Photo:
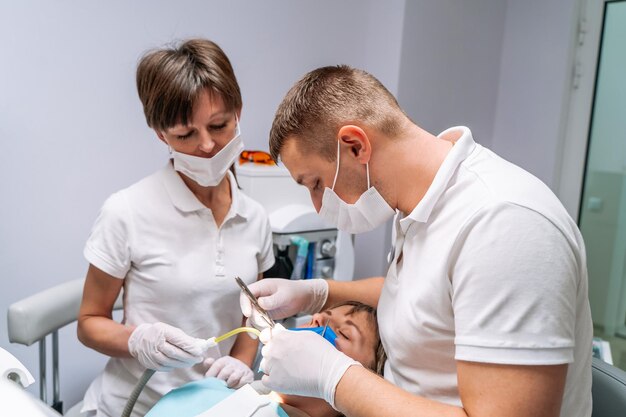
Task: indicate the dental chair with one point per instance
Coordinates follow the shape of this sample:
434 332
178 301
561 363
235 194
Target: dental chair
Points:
608 390
35 318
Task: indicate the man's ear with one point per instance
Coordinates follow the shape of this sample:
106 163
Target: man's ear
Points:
356 141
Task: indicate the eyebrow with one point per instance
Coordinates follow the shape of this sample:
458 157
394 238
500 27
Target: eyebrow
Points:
222 113
348 322
300 180
351 323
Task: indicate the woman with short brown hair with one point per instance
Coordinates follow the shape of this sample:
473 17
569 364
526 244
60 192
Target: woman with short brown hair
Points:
175 240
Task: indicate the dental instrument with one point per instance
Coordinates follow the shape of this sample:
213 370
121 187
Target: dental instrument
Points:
255 303
325 327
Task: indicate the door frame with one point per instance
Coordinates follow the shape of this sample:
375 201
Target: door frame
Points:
575 140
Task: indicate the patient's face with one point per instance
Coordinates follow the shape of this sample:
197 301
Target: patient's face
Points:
356 332
356 337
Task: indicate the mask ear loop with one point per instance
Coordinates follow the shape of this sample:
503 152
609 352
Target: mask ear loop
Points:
367 168
237 127
169 147
337 171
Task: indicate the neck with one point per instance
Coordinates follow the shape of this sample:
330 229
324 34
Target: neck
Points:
416 156
209 196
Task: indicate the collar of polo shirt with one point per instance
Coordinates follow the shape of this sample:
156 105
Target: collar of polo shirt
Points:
184 199
462 148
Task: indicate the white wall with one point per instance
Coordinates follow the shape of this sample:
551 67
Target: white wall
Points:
450 64
72 126
500 67
534 84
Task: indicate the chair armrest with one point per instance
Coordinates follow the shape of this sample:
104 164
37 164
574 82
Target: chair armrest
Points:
608 389
32 318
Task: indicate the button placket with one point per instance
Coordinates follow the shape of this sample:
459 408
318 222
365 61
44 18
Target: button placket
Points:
397 252
220 269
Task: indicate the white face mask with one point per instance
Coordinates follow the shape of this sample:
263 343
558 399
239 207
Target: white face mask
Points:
208 172
370 211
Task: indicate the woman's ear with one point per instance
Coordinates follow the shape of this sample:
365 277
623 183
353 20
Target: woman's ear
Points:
161 136
356 141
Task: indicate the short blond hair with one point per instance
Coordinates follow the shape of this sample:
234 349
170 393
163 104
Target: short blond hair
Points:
325 99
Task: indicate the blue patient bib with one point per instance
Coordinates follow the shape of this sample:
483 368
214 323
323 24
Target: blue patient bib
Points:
328 334
194 398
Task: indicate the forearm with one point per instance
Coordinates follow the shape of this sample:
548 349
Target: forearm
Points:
365 290
245 349
104 335
96 327
360 393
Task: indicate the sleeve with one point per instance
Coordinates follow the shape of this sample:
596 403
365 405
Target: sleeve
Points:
514 285
108 247
265 257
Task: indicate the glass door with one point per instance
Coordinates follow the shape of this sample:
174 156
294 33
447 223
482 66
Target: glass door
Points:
603 202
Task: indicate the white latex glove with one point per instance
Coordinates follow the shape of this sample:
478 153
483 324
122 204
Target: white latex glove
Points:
229 369
302 363
162 347
283 298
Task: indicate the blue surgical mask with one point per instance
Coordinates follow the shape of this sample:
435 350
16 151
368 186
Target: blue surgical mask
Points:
326 332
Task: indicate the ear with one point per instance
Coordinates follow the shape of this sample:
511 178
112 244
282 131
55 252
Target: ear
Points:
357 141
161 136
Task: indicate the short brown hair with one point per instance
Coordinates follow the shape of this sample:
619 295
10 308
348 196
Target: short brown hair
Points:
169 80
326 98
380 356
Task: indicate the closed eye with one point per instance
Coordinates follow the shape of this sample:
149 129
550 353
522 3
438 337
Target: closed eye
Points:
218 127
186 136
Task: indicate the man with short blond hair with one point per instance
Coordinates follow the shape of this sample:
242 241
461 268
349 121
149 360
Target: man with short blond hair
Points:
484 309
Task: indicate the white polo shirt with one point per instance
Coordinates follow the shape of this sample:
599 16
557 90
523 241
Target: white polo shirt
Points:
178 267
488 267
